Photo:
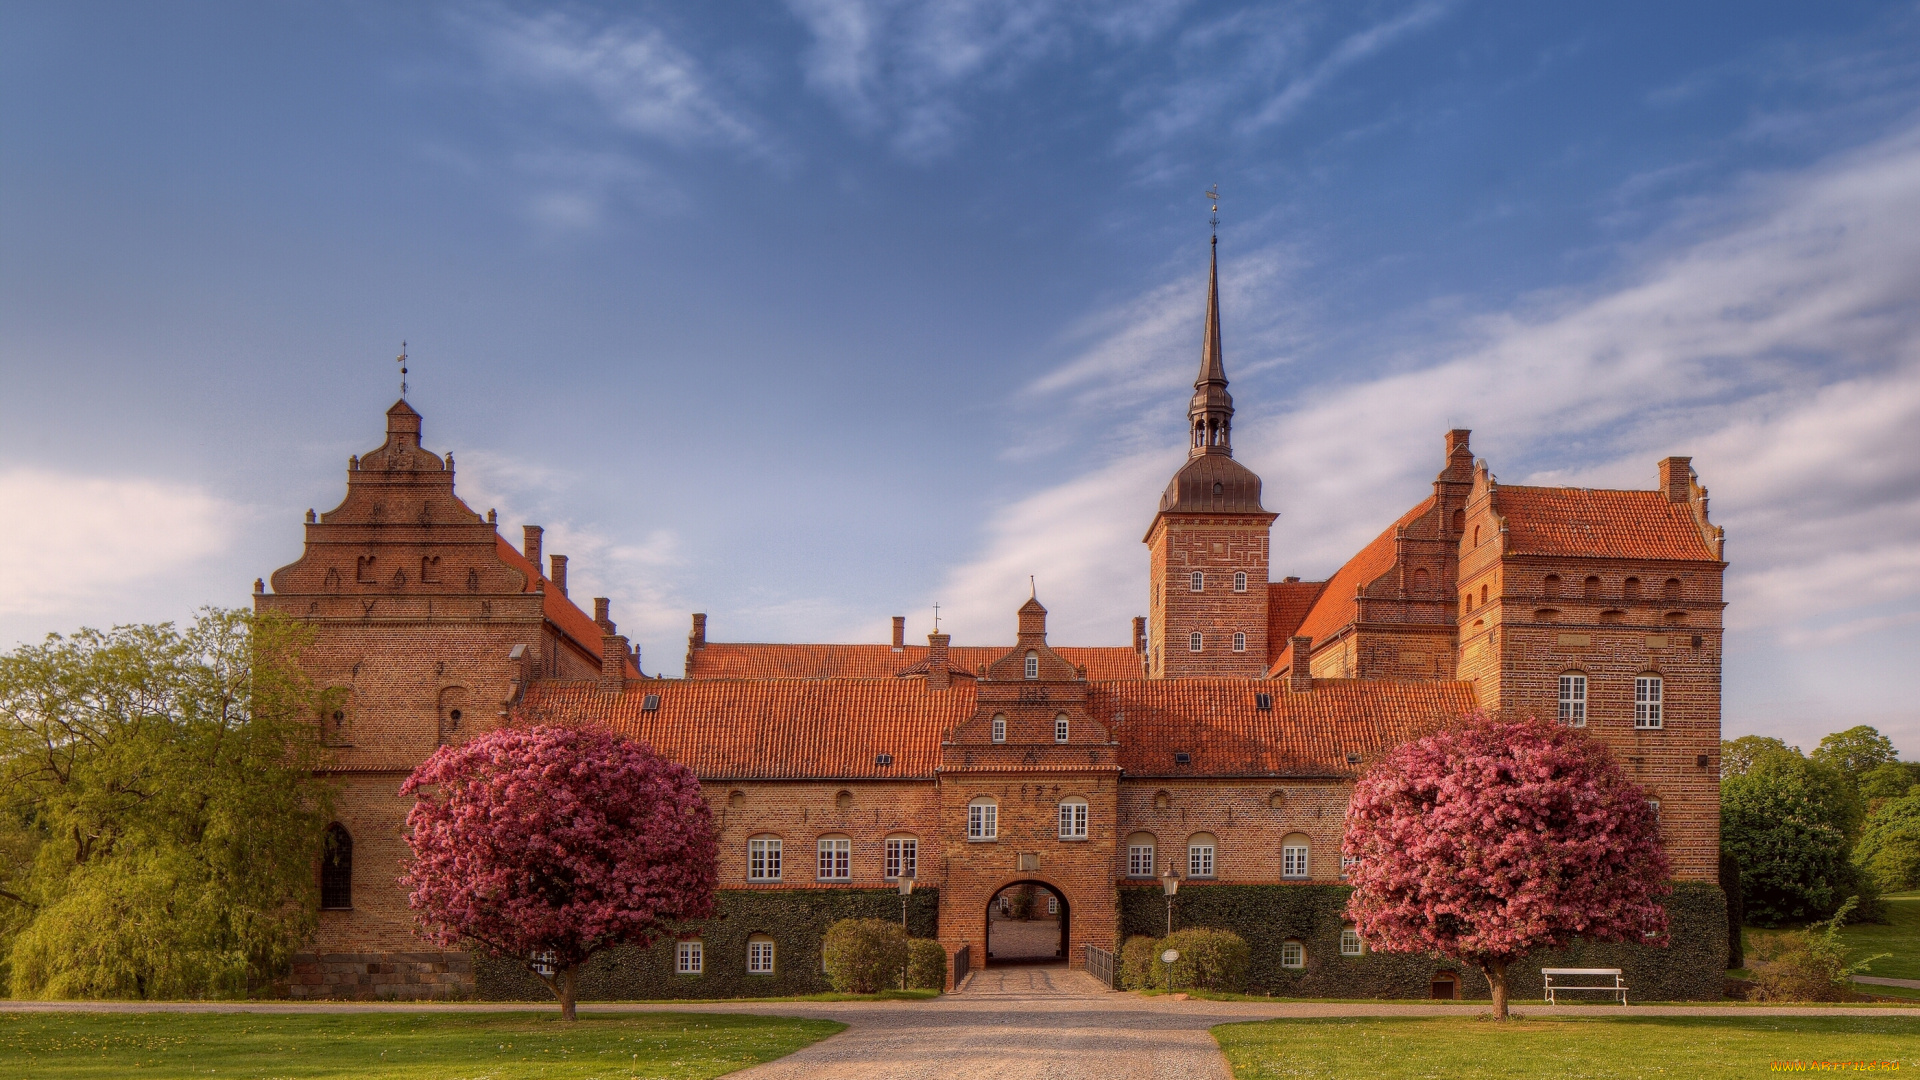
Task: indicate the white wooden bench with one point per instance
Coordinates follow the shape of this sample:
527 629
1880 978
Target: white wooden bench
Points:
1618 986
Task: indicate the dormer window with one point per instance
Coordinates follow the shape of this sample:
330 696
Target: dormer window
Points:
1240 581
1033 664
1197 581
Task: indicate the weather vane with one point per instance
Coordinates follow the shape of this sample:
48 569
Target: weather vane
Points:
936 618
402 361
1213 196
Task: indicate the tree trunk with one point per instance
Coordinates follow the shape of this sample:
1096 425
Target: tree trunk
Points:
1496 973
568 986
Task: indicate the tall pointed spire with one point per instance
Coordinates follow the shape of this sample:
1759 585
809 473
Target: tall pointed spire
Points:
1210 413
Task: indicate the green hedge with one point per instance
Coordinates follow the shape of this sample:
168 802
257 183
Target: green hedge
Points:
1691 969
796 919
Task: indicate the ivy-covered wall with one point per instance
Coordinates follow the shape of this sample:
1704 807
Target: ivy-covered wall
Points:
796 920
1692 969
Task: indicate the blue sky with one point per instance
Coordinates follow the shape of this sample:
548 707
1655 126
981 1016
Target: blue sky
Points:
809 314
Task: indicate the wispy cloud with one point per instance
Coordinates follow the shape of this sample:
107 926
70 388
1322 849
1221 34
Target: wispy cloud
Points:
1351 50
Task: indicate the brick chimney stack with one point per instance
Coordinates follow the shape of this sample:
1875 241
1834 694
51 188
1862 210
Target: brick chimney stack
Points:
614 654
531 546
939 677
1300 675
1140 634
698 639
899 633
559 574
603 613
1676 478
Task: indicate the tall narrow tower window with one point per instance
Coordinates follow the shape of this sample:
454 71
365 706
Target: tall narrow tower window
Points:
1197 581
1193 641
1240 581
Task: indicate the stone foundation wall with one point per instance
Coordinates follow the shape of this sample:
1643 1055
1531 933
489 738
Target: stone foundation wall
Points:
358 976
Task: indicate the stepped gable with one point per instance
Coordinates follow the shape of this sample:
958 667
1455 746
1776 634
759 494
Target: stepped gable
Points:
757 660
1599 524
782 729
563 614
1288 603
1336 607
1219 725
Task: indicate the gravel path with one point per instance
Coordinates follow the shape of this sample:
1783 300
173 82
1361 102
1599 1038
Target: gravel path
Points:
1038 1022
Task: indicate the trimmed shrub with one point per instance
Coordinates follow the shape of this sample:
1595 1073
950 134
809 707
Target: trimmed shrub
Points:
865 955
926 965
1209 959
1137 962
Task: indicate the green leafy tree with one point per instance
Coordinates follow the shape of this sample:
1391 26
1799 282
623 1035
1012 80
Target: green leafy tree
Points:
1790 823
1891 780
1889 847
1737 756
161 814
1855 751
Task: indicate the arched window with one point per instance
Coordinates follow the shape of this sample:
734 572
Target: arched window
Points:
1293 857
1675 618
1483 594
1476 536
843 801
1630 589
1197 581
1193 641
1420 579
1033 664
1671 590
1459 521
1590 588
1162 800
1277 800
1140 855
1060 727
999 727
983 819
903 856
1239 581
1219 489
1573 699
336 870
1073 818
1293 954
1550 586
763 858
759 955
1200 852
736 799
835 858
1648 706
1239 641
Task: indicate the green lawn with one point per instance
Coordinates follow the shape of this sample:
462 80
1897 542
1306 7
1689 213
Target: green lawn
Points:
1900 935
1560 1048
414 1046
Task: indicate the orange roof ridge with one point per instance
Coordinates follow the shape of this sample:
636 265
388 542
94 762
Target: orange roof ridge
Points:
559 610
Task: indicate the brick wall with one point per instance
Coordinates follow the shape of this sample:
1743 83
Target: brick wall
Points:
1219 546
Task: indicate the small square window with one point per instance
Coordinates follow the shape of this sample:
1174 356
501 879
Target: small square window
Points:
1197 581
1293 954
689 958
1350 944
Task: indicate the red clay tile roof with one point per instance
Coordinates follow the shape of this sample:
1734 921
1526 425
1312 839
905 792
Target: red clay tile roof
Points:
1585 523
563 613
1287 605
1305 734
781 729
748 660
1334 611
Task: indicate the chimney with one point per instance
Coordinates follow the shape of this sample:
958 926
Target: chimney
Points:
899 633
1140 634
1457 446
531 548
614 655
1676 478
559 574
698 639
603 613
938 676
1300 675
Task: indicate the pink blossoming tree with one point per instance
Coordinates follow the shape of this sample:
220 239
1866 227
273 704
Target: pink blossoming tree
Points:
549 844
1494 837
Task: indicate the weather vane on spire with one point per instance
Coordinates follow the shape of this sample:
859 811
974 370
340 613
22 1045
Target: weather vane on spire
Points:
402 361
1213 196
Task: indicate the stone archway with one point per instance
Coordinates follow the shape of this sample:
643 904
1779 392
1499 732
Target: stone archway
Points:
1027 922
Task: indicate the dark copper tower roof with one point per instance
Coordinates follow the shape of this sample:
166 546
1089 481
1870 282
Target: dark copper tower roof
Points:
1211 480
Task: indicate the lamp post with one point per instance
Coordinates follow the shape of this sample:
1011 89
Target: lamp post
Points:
1170 881
906 890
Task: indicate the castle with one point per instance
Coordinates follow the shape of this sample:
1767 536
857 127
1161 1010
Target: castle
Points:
1220 747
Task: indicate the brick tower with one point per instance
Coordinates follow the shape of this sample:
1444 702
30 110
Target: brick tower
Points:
1208 603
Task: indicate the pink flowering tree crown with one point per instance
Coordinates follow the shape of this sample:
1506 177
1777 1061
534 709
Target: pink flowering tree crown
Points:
1494 837
556 842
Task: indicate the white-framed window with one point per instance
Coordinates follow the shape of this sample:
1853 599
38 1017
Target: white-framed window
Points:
999 727
1293 954
1346 864
1200 856
1033 665
1193 641
903 857
836 859
1573 699
1350 943
689 958
1140 855
1654 805
760 955
763 858
1647 694
1060 727
1293 857
983 820
1073 818
1053 904
1197 581
1239 641
1239 581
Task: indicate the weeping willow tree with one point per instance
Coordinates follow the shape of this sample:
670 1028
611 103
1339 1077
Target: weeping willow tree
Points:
160 819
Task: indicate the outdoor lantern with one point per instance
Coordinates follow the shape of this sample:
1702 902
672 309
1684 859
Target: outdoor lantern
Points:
1170 881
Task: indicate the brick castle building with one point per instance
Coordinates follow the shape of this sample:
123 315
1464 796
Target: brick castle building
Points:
1222 743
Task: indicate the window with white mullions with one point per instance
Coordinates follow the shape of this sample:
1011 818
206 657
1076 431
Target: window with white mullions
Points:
983 820
1060 728
836 858
903 857
1073 819
1293 857
1197 581
1239 581
1200 852
760 955
1573 699
1140 855
1648 692
689 958
763 858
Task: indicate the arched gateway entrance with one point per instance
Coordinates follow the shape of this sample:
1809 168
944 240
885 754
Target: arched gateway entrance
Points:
1027 923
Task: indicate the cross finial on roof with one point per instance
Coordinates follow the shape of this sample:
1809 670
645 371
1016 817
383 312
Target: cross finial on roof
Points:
402 361
936 618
